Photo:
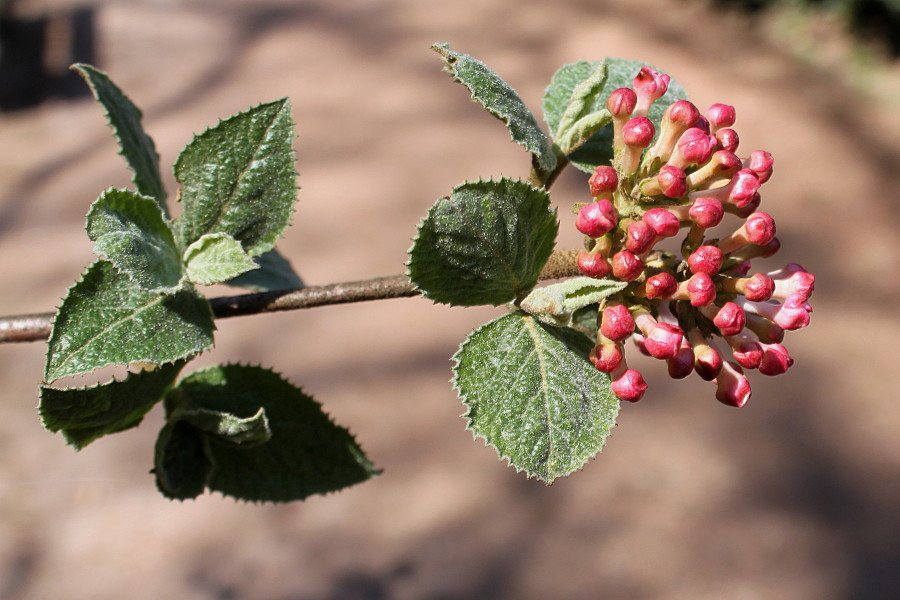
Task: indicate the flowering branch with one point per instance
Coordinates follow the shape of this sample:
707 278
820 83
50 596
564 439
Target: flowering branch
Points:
35 327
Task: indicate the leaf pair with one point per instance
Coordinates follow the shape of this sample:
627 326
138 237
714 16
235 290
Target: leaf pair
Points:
530 389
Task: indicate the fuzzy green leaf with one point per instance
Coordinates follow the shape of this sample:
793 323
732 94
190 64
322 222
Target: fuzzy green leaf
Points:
502 101
131 232
231 428
533 395
125 119
238 178
307 453
564 89
556 304
485 244
106 319
85 414
274 273
214 258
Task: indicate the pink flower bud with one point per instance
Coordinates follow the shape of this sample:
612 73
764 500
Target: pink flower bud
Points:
638 132
649 85
758 288
679 117
775 360
607 356
747 209
593 264
661 340
793 279
730 319
705 259
603 181
616 322
670 181
761 162
722 164
702 123
694 147
701 289
629 386
626 266
792 314
732 387
662 285
759 229
682 113
640 237
745 349
721 115
706 212
662 222
728 139
597 218
621 102
682 364
765 330
744 186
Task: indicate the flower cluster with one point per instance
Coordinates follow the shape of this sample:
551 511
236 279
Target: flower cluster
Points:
692 307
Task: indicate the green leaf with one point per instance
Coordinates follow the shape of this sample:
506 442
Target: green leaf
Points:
274 273
238 178
214 258
85 414
131 233
125 119
533 395
307 453
106 319
556 304
180 461
502 101
231 428
572 77
485 244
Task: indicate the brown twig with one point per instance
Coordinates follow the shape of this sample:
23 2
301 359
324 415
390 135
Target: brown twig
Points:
30 328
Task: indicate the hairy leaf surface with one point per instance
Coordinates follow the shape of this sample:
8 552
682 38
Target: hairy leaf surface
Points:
502 101
125 119
533 395
106 319
131 232
485 244
556 304
214 258
238 178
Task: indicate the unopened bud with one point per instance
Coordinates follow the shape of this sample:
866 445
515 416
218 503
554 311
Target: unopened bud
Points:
705 259
792 279
722 164
629 386
621 102
728 139
775 360
706 212
732 386
597 218
670 181
593 264
682 364
649 85
626 266
662 340
759 229
762 163
640 237
746 350
730 319
604 181
607 356
678 118
616 322
700 289
662 285
694 147
757 288
662 222
720 115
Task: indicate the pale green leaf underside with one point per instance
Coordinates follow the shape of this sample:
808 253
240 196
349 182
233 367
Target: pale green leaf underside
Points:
533 395
620 73
502 101
131 233
238 178
231 428
485 244
274 273
85 414
106 319
125 119
556 304
307 453
214 258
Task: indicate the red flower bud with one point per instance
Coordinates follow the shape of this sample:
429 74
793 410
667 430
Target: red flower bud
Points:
759 229
744 187
701 289
670 181
702 123
694 147
761 162
629 386
626 266
758 288
683 113
621 102
721 115
662 222
793 279
603 181
730 319
733 388
661 340
682 364
728 139
597 219
775 360
649 85
616 322
706 212
593 264
640 237
705 259
722 164
662 285
790 315
607 357
638 131
746 350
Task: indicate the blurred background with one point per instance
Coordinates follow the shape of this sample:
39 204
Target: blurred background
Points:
795 496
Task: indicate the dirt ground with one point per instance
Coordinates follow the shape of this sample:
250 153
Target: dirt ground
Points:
793 497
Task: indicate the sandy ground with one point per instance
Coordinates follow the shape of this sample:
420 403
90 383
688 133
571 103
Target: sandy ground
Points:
793 497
